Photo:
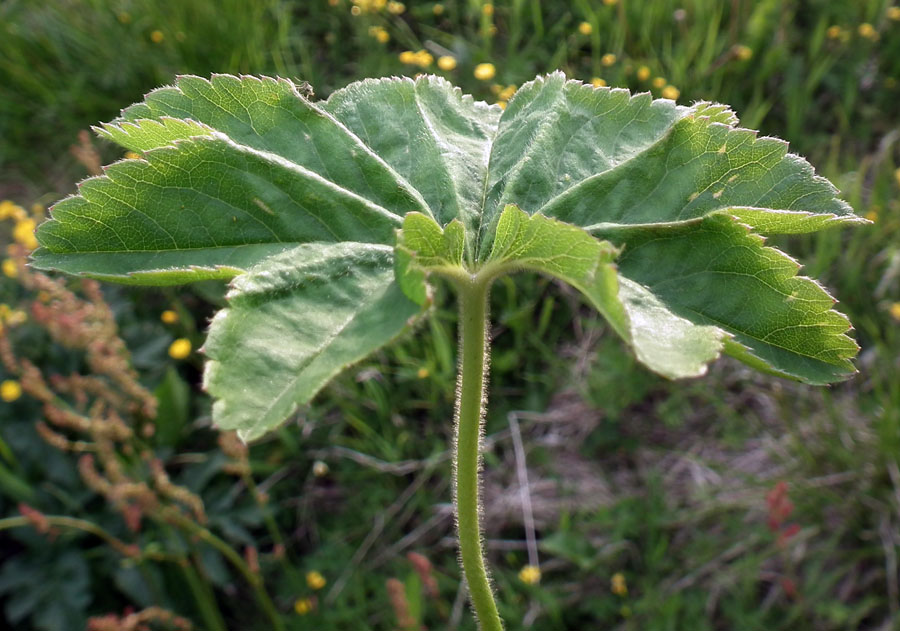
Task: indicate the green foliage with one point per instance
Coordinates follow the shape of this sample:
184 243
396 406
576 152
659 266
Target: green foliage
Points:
678 190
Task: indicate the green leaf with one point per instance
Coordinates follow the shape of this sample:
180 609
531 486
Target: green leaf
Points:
295 321
390 181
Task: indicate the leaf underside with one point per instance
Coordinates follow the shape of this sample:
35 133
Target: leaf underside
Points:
654 211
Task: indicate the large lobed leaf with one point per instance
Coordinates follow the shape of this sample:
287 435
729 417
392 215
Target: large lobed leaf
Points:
653 210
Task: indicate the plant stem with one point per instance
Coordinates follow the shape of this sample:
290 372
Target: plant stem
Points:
473 323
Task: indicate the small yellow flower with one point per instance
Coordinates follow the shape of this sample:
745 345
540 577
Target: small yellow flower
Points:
315 580
617 584
124 17
10 269
834 32
10 390
609 3
380 33
24 233
396 8
895 311
422 373
643 73
169 316
872 215
487 9
6 209
608 59
893 13
671 92
742 52
407 57
502 104
868 31
446 63
157 36
438 9
304 605
180 348
597 82
485 72
585 28
658 82
530 575
320 469
507 93
424 59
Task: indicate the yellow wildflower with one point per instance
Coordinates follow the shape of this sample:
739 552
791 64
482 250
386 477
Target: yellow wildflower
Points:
617 584
608 59
671 92
597 82
834 32
304 605
487 9
422 373
868 31
320 469
10 269
502 104
12 317
506 93
446 63
893 13
380 33
180 348
9 210
407 57
658 82
315 580
643 73
485 72
396 8
169 316
423 59
872 215
609 3
742 52
895 311
157 36
530 575
438 9
585 28
10 390
24 233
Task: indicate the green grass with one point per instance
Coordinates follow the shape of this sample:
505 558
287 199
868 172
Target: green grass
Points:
665 483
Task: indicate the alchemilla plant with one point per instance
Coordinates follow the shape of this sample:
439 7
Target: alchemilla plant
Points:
334 218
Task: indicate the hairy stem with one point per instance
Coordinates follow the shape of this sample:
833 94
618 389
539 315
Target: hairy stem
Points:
473 321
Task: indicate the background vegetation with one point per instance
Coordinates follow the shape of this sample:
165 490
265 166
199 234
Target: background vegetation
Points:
732 502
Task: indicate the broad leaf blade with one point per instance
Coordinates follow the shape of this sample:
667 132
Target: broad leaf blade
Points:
234 170
295 321
670 345
436 137
714 272
208 203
